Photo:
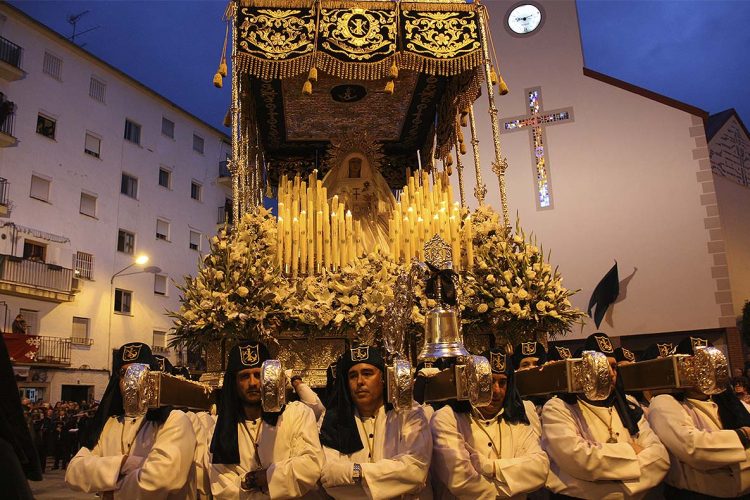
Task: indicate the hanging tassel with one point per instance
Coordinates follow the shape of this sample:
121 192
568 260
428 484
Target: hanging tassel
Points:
493 76
460 135
449 160
313 74
389 87
502 87
223 67
228 118
393 73
307 88
449 170
462 148
218 81
464 117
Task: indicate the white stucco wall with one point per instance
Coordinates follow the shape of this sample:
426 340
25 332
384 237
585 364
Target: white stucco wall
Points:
623 181
71 170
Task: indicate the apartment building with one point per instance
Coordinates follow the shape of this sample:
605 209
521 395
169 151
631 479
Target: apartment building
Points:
97 172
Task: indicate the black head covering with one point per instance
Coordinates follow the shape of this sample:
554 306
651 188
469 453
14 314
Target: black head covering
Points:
629 412
181 371
13 428
339 429
164 364
732 412
657 350
513 409
531 349
558 353
331 375
224 444
624 354
111 403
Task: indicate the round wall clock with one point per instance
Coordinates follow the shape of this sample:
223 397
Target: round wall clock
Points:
524 19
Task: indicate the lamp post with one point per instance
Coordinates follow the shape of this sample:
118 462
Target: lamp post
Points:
139 261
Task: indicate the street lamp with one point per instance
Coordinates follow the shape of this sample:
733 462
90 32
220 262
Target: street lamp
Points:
139 261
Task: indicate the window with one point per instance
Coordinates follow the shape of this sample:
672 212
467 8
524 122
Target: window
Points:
52 66
34 251
160 284
32 321
129 185
88 204
160 341
83 263
162 230
125 242
195 191
39 188
195 240
165 178
197 143
80 332
132 132
167 127
45 126
92 145
97 89
123 301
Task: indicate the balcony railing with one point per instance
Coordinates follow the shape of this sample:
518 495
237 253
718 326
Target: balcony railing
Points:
35 349
6 127
35 274
3 191
224 215
224 169
10 52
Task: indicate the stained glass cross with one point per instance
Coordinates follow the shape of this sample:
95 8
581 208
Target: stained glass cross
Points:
535 122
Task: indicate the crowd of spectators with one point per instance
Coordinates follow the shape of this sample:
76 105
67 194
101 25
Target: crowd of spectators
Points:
57 429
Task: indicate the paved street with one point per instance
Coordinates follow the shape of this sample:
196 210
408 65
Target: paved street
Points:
53 488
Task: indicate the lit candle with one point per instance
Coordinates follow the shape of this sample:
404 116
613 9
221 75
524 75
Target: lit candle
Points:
295 246
335 254
327 260
303 242
280 242
349 237
469 243
287 243
407 240
455 244
310 236
341 219
319 241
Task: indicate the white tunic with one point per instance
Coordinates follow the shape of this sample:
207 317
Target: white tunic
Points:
160 460
584 465
401 450
311 399
200 474
705 458
513 460
290 452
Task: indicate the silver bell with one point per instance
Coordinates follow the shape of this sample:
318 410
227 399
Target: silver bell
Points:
442 335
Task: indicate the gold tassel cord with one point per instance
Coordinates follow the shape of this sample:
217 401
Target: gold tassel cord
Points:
307 88
389 87
218 80
502 88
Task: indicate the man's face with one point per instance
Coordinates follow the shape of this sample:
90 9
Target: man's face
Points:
739 389
499 388
248 386
366 385
527 363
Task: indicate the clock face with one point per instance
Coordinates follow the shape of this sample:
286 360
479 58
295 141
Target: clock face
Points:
524 19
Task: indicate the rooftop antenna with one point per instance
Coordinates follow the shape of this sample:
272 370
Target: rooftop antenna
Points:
73 21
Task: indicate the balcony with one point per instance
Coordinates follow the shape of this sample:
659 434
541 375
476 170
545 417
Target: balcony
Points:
10 61
7 119
36 350
37 280
224 215
4 201
225 176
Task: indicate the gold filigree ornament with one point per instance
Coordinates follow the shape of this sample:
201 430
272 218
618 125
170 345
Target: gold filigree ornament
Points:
442 35
359 34
277 34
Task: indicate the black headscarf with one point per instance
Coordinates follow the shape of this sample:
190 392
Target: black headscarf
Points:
558 353
331 376
657 350
111 403
624 354
514 411
531 349
13 428
339 429
732 412
164 364
630 413
224 443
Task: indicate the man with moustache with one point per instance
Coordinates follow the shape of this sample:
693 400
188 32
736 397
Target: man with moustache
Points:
601 449
130 451
708 438
492 451
256 454
371 451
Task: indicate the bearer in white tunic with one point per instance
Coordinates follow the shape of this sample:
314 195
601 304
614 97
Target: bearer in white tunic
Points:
371 451
256 454
130 453
490 452
601 450
707 439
